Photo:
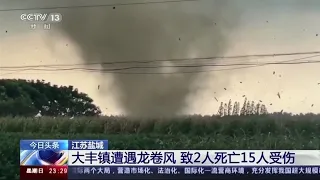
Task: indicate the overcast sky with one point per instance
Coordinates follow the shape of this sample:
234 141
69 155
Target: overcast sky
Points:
249 27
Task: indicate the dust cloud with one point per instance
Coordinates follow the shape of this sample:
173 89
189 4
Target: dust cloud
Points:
144 33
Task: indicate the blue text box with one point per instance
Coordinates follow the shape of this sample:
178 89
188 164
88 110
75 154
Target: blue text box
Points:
42 144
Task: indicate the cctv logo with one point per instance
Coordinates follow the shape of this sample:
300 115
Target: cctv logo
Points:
34 17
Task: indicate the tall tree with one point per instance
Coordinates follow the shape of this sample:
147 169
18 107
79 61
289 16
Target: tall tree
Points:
235 109
230 108
221 110
244 108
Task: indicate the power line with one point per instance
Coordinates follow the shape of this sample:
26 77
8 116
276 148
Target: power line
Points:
165 60
174 66
101 5
246 65
264 64
192 66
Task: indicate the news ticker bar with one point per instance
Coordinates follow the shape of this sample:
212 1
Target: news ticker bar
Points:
193 158
118 172
38 154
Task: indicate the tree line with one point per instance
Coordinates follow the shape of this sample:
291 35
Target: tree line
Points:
248 108
19 97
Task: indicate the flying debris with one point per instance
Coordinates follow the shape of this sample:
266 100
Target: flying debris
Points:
279 95
114 8
98 86
216 99
260 100
38 115
244 96
225 88
274 72
179 39
240 82
270 104
281 111
312 105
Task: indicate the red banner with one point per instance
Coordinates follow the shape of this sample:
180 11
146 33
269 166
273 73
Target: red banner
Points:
44 172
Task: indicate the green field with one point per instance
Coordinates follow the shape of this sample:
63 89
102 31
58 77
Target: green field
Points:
190 132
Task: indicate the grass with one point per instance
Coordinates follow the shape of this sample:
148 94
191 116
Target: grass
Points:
189 132
189 125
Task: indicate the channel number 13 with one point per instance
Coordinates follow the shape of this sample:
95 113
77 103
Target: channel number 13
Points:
56 17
